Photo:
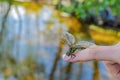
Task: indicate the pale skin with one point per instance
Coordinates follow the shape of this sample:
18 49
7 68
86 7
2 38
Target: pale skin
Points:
110 55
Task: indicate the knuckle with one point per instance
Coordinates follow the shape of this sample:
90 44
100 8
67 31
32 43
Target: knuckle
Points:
93 53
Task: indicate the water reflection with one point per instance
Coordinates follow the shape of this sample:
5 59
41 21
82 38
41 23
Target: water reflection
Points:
31 49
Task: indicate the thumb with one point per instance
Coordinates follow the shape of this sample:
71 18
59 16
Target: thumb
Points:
102 53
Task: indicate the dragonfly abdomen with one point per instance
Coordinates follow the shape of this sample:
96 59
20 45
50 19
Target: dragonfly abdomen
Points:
71 51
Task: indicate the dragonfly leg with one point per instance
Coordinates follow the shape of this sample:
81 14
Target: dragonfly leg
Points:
73 56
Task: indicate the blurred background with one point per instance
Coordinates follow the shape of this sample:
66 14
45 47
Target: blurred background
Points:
30 42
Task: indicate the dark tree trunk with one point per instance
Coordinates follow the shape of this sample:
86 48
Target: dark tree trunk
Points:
57 58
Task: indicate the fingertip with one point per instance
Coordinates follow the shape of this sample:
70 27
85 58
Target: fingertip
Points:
66 58
63 56
80 56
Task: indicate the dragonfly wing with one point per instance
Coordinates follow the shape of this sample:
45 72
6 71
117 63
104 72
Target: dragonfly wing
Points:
68 38
84 44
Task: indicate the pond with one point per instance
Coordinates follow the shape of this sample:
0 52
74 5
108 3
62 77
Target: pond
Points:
31 49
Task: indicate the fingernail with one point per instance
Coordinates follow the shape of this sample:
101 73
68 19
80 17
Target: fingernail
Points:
63 56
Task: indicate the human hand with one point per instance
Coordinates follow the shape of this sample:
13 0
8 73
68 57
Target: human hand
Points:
110 55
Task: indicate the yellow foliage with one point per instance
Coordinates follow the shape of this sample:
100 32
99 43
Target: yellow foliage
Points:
72 23
29 77
8 72
104 36
30 6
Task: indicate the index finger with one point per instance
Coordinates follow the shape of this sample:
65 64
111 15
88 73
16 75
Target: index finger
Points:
102 53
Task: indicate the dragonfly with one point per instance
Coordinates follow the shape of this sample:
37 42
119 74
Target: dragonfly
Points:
73 44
